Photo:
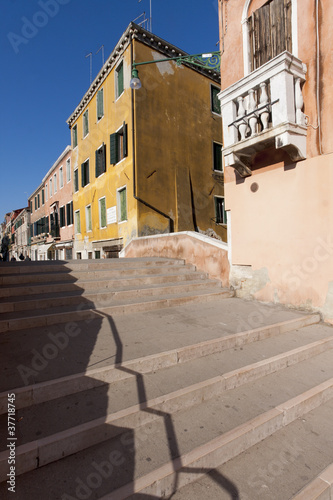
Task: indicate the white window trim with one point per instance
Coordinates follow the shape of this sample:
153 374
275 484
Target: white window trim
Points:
51 188
55 184
86 212
99 213
77 136
118 205
87 159
46 192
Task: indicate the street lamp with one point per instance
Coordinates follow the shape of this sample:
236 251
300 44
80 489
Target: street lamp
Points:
209 61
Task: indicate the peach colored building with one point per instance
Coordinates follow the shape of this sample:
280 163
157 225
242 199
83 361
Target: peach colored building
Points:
276 101
51 207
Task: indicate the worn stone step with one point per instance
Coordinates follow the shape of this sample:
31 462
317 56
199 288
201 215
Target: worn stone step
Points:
21 292
274 339
32 267
87 311
93 431
102 298
74 276
321 487
172 450
295 457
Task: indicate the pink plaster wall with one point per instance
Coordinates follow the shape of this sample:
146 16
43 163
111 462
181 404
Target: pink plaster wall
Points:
210 257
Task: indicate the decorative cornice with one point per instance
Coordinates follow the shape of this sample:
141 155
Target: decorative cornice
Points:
135 32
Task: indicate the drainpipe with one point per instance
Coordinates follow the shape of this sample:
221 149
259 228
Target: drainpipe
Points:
171 222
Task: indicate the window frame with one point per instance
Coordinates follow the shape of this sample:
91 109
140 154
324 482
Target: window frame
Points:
214 146
101 147
74 136
76 180
99 92
212 88
77 213
100 213
117 71
85 124
224 222
61 177
84 177
68 170
118 147
119 214
62 210
55 184
88 215
51 187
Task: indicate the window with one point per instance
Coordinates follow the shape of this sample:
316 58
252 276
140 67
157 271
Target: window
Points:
62 216
119 80
69 213
55 186
50 187
68 170
35 202
100 159
77 222
85 123
102 213
220 214
61 178
74 136
215 101
43 197
270 31
76 180
88 218
217 157
97 254
85 173
118 145
100 104
38 200
45 192
122 204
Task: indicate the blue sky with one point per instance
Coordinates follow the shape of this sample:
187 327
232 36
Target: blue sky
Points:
44 71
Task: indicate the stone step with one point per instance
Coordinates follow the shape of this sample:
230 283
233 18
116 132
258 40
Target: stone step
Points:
73 437
319 488
87 311
11 268
285 335
19 292
74 276
171 450
277 467
98 299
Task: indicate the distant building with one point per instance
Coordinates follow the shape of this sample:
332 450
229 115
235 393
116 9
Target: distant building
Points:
276 104
146 161
21 234
52 212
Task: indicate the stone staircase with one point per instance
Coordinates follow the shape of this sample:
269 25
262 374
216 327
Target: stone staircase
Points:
141 378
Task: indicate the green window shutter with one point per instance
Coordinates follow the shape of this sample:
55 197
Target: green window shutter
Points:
76 180
97 171
43 197
217 157
83 175
125 148
120 79
74 130
114 149
102 206
123 204
71 217
100 104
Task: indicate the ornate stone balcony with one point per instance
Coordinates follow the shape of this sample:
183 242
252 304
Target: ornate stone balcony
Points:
262 110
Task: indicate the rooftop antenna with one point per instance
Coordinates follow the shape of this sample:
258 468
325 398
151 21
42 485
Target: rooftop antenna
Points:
90 55
102 47
150 25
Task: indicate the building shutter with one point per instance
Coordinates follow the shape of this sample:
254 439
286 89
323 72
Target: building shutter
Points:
217 157
100 161
100 104
83 175
120 73
114 149
123 204
270 31
125 149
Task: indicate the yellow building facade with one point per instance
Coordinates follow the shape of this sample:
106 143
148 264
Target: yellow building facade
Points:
146 161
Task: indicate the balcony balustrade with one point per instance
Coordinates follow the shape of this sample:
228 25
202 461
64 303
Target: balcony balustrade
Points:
264 110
